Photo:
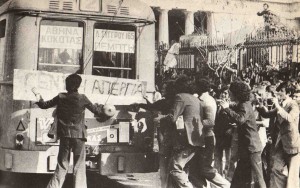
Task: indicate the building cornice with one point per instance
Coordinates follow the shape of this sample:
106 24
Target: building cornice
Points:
287 9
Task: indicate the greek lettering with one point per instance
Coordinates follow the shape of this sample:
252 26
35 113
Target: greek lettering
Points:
50 84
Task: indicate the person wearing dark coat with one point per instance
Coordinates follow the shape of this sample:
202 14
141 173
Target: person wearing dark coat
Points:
165 129
248 172
286 152
201 164
71 130
223 131
185 114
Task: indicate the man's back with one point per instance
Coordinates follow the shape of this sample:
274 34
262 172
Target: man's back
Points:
70 113
70 107
189 107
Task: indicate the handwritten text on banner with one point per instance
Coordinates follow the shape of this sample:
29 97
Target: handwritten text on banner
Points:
97 88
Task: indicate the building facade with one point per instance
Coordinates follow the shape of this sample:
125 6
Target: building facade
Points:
218 18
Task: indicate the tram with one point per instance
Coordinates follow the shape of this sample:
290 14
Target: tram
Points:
111 44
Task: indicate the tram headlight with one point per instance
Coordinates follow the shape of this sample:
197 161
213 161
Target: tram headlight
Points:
19 140
121 163
8 161
109 110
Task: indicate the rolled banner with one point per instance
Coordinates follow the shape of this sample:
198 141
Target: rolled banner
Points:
109 110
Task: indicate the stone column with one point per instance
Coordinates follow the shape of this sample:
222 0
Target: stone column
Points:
189 22
211 28
163 35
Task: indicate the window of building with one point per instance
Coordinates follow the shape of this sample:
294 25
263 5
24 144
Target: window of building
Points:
2 28
2 46
60 46
114 51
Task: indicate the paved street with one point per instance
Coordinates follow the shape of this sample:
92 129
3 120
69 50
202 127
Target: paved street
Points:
12 180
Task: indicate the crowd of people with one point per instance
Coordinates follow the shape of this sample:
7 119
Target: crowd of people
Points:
238 136
235 136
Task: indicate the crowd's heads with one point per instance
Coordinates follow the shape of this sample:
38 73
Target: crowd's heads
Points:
266 6
265 83
203 85
73 82
168 89
271 88
183 84
247 80
254 98
240 91
224 92
284 90
286 87
297 97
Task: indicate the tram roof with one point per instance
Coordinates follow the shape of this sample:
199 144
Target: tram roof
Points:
130 9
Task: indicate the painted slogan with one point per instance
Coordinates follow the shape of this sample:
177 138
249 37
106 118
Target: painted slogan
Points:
116 91
114 41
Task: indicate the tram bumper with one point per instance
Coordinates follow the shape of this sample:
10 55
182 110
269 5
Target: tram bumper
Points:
22 161
113 163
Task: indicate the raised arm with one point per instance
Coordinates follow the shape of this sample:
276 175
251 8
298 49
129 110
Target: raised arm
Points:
156 106
266 113
177 109
95 108
47 104
263 12
239 115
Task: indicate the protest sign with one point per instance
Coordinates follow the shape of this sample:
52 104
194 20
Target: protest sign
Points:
116 91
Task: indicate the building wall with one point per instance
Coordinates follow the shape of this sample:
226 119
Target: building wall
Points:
227 16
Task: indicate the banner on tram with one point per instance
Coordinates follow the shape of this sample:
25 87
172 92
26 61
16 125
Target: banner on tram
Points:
99 89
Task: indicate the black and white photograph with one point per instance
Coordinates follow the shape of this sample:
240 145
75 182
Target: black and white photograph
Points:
149 93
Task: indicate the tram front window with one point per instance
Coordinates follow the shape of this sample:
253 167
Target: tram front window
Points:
60 46
114 51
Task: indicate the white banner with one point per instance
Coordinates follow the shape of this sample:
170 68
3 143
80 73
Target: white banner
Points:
114 41
61 37
99 89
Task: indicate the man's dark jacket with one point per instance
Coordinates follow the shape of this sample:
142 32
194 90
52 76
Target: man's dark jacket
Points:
70 113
